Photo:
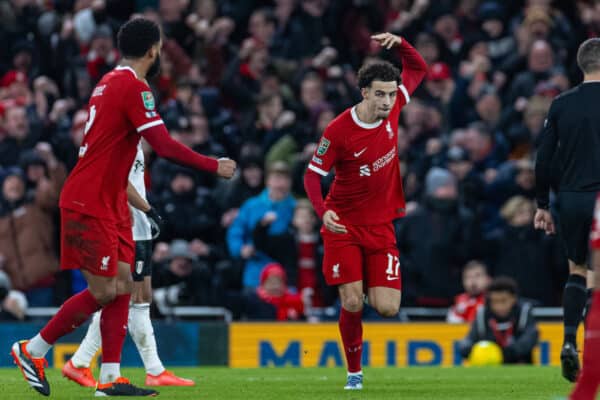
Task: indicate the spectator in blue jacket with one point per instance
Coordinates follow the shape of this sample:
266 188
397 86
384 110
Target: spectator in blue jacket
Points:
274 206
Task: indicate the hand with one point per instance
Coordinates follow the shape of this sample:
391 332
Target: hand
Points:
490 175
199 248
60 108
157 223
268 218
285 119
229 216
226 168
543 220
247 251
161 252
387 40
330 219
44 150
248 47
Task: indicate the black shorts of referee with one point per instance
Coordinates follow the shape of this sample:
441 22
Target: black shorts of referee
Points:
575 214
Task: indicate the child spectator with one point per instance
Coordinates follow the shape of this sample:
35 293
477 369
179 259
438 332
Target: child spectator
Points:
475 281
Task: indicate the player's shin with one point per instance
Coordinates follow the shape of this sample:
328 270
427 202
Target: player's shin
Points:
113 327
351 331
73 313
142 333
90 344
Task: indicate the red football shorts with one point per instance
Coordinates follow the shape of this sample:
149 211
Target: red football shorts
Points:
93 244
365 253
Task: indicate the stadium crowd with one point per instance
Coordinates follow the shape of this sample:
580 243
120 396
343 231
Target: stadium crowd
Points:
258 81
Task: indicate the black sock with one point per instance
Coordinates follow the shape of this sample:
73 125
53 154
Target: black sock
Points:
574 299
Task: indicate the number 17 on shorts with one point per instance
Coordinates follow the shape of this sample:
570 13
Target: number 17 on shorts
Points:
347 264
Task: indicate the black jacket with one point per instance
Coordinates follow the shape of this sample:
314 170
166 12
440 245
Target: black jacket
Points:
435 241
523 253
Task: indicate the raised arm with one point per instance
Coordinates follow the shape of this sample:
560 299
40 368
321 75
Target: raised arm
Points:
414 66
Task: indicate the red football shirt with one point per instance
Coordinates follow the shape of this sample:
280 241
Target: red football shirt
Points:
367 189
120 108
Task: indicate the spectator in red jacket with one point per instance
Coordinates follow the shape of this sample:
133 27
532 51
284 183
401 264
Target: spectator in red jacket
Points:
475 281
272 299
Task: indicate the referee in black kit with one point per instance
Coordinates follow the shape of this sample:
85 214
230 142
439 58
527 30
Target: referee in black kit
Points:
570 141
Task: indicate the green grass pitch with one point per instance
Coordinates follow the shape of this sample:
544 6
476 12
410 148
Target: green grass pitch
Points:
422 383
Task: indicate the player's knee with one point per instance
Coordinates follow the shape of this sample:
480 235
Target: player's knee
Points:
125 285
387 310
352 303
104 294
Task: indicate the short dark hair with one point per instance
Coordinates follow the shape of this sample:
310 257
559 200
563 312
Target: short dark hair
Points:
379 71
137 36
588 56
503 284
474 264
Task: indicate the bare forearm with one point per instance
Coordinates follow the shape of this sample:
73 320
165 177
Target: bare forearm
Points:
135 199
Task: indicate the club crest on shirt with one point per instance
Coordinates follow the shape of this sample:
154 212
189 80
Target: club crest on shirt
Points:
323 146
148 100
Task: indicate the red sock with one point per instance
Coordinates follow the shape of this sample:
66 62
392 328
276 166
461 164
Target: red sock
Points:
75 311
587 384
351 331
113 327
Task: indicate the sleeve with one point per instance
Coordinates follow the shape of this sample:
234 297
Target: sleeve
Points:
167 147
326 154
140 107
525 343
453 317
414 69
543 163
235 233
477 326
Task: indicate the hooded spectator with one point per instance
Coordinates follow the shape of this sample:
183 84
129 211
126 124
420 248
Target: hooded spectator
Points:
435 241
272 299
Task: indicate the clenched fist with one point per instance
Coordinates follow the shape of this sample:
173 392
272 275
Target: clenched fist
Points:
226 168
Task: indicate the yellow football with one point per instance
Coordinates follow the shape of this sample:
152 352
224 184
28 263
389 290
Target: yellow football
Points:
485 353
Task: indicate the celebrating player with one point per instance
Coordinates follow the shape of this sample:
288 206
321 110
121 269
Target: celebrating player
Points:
146 226
96 234
366 195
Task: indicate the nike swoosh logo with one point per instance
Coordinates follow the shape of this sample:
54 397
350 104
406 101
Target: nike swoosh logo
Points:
392 278
360 152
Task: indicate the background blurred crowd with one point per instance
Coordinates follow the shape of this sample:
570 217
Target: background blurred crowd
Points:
258 81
